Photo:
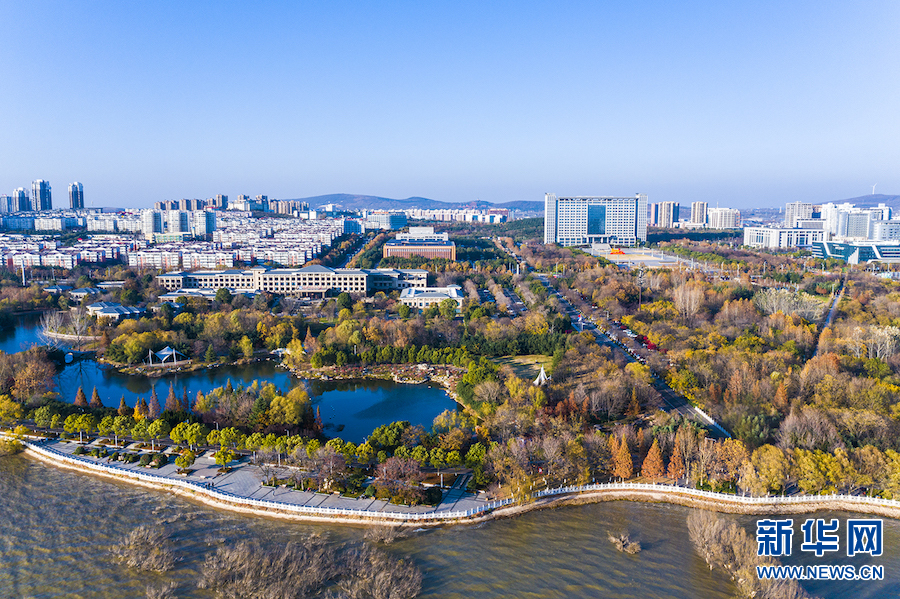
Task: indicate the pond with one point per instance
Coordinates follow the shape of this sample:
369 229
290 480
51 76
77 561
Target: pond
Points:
349 409
21 336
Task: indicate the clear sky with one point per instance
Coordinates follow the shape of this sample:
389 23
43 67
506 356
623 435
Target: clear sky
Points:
744 104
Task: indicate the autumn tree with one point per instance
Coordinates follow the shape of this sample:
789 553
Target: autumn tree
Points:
154 409
124 409
676 464
623 467
80 399
95 399
172 404
653 466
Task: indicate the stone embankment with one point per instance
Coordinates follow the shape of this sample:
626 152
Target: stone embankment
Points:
506 508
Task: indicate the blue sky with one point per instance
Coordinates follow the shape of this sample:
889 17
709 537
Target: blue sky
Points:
741 104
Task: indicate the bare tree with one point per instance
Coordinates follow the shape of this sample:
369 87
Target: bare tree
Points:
145 548
472 291
688 299
265 460
51 322
804 305
883 342
79 322
489 392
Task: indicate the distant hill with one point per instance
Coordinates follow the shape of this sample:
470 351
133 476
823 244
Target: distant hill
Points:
364 202
871 200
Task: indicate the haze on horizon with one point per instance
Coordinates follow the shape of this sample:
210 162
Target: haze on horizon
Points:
741 105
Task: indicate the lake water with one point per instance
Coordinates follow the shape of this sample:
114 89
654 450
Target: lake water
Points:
56 526
349 409
23 335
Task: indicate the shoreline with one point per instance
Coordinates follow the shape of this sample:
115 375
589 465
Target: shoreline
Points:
552 499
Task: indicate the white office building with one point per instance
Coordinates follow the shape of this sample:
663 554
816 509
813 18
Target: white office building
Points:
584 220
699 212
796 211
779 237
724 218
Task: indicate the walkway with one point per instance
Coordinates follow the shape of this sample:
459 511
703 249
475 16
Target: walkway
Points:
244 482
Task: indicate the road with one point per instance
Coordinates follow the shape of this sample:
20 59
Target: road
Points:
673 400
832 312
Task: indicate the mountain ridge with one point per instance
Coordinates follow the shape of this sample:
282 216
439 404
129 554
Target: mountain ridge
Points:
349 201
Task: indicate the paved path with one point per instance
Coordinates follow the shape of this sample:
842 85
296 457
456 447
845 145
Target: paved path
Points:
244 481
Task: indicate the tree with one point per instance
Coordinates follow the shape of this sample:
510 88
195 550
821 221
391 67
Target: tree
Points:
172 404
210 354
290 409
36 378
80 398
224 457
10 410
772 466
246 347
157 429
179 433
124 409
676 464
231 438
70 425
653 463
223 296
106 425
141 410
154 409
448 308
438 458
141 430
403 311
623 466
185 460
122 425
43 416
95 399
344 301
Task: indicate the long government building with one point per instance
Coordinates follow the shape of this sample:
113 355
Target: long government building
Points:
310 281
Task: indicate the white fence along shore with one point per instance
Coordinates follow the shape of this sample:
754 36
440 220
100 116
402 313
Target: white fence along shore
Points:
839 501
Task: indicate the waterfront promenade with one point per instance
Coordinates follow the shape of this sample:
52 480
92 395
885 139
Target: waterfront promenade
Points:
240 490
241 486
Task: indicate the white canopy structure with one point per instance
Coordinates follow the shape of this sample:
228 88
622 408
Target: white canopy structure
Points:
166 354
542 378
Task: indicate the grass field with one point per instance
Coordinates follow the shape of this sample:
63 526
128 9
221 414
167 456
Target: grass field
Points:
525 367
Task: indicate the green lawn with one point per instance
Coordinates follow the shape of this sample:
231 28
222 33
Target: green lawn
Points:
525 367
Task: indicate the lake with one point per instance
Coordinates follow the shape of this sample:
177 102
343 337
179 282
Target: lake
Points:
23 335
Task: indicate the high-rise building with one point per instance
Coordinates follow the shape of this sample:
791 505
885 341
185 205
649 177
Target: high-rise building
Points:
796 211
76 196
151 222
6 203
20 200
583 220
221 202
724 218
178 221
668 214
203 222
699 213
40 196
654 215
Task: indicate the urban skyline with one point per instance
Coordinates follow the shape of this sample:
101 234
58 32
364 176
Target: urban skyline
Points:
736 105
